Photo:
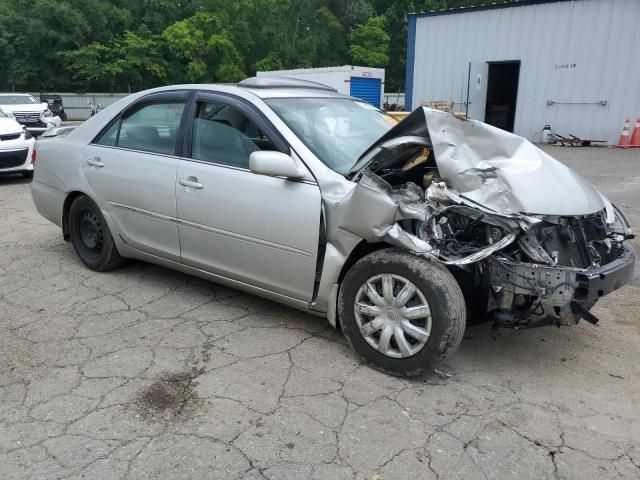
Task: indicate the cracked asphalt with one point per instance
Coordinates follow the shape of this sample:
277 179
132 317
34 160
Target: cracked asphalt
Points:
145 373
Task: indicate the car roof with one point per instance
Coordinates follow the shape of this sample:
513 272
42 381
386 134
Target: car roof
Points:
271 87
281 87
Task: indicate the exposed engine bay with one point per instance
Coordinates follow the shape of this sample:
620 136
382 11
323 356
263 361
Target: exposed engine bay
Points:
515 268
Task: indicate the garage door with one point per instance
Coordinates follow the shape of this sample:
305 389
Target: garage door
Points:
368 89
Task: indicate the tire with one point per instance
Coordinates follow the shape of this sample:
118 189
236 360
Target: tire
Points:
443 320
90 236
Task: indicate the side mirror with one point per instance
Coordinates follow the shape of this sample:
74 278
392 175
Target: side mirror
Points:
274 164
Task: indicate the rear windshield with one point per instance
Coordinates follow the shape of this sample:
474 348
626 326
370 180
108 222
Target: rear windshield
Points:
336 130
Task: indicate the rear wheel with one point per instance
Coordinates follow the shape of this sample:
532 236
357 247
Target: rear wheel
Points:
90 236
401 312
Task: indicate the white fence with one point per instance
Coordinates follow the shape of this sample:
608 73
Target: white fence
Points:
76 105
393 98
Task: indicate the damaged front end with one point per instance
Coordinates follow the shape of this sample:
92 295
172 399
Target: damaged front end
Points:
529 241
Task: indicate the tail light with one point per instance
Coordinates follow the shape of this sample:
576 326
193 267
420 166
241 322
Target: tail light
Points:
34 156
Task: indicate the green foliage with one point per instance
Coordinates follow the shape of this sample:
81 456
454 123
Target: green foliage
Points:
268 63
117 45
131 61
370 43
396 27
357 12
206 48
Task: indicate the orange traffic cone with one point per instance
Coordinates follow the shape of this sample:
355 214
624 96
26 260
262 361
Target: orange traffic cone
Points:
635 136
625 139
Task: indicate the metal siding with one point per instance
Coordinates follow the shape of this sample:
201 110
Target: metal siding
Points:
367 89
600 36
411 53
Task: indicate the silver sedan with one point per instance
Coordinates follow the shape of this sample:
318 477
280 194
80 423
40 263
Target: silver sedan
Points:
398 233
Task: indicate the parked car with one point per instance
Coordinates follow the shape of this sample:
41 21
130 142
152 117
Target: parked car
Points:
16 147
35 116
393 231
55 105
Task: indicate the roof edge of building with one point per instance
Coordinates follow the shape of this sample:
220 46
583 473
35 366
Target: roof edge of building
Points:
482 7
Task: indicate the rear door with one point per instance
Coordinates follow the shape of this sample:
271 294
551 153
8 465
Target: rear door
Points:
256 229
132 167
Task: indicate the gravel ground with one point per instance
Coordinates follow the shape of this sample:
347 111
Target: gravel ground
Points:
147 373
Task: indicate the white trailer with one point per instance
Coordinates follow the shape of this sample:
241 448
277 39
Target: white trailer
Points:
361 82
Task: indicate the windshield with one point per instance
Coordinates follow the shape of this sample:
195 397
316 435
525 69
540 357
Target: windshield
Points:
337 130
17 100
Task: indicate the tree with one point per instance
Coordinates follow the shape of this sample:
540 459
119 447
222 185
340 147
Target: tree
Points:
268 63
329 39
370 43
111 44
132 61
396 28
207 48
357 12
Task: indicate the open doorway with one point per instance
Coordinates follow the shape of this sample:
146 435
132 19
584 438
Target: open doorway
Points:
502 93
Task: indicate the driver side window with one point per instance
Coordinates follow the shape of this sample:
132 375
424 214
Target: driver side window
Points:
224 135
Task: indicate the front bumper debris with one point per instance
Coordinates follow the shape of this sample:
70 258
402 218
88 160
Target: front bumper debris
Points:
598 282
562 295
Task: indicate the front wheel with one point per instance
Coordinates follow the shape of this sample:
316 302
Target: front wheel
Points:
90 236
401 312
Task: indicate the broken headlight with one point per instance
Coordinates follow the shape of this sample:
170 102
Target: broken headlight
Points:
621 225
459 232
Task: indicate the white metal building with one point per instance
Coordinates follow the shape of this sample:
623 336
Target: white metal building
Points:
572 64
361 82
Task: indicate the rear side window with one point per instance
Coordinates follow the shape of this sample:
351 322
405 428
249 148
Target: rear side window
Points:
151 128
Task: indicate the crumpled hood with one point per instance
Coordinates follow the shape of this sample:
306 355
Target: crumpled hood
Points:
494 168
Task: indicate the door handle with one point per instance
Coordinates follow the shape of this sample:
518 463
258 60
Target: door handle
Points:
191 182
95 162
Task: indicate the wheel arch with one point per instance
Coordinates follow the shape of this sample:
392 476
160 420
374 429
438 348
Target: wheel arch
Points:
362 249
71 196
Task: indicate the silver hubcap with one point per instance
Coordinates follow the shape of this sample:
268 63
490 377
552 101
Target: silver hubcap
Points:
393 315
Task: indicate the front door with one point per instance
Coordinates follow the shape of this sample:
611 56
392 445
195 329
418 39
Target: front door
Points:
132 170
256 229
